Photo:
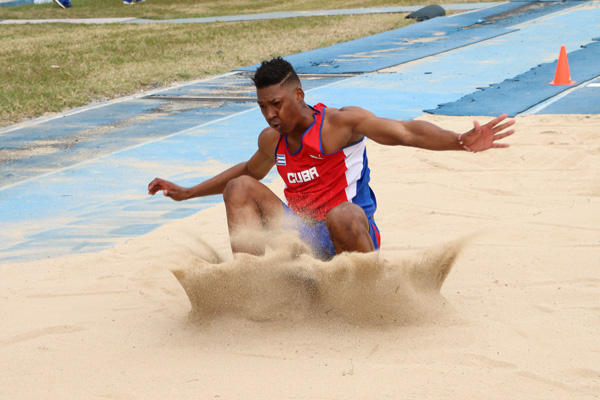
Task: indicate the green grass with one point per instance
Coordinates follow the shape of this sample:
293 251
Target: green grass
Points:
48 68
170 9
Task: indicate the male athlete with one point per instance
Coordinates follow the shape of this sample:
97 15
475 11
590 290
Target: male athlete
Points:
321 156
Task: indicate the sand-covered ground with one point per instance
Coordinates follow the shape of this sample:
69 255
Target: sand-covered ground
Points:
517 317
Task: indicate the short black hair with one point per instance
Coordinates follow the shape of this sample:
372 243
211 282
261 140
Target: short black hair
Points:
274 71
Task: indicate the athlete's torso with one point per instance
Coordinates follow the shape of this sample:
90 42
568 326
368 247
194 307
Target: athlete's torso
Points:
317 182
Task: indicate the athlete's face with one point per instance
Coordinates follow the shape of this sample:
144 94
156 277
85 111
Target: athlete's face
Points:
281 106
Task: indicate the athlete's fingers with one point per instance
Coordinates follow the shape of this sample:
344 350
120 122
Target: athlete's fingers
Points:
497 120
504 134
504 125
154 186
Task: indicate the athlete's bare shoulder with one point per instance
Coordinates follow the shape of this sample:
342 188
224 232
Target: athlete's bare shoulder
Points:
267 141
338 129
348 115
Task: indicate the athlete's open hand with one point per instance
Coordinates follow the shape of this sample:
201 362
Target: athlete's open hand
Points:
484 137
169 189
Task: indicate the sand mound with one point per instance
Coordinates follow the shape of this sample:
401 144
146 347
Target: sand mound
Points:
288 284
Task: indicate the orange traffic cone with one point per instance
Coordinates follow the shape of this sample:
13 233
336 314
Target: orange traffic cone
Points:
562 76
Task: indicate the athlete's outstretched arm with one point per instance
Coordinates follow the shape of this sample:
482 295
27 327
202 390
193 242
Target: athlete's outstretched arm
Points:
258 166
429 136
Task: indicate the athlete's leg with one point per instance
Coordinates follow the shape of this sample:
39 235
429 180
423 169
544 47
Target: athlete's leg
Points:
251 207
349 229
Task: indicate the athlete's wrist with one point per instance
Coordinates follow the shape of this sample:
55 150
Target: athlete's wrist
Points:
463 145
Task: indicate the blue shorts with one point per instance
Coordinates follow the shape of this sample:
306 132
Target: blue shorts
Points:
317 235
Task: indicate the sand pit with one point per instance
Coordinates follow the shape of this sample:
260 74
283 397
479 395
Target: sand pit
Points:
517 316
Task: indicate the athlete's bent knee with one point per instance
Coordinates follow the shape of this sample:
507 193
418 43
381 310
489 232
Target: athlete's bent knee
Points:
238 187
347 220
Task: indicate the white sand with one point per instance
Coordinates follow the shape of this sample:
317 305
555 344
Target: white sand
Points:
519 316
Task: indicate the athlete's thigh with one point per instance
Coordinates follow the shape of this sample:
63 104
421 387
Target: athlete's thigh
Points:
245 189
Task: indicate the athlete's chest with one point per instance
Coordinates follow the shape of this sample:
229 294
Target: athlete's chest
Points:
309 165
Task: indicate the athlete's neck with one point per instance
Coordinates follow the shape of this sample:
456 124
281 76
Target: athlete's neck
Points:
305 120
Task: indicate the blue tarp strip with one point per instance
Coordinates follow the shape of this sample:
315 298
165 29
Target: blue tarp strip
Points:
524 91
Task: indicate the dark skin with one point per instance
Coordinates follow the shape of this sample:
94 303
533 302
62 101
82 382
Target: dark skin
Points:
251 206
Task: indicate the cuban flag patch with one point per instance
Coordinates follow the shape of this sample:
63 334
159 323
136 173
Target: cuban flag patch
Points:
280 159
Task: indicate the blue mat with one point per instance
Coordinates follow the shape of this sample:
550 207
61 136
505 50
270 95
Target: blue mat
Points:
585 100
417 41
398 46
524 91
66 141
15 3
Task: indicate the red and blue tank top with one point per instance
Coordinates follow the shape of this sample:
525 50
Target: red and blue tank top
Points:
316 182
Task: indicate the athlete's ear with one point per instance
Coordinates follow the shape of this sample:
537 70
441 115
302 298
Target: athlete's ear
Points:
299 94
